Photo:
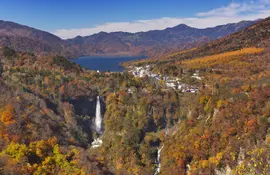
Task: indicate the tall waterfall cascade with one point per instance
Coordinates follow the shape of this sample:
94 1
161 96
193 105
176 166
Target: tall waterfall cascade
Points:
98 125
158 161
98 119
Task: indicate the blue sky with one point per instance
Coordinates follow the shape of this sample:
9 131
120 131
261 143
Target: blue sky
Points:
84 17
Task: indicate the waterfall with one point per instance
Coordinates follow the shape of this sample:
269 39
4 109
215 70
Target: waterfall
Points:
98 119
98 125
158 161
97 143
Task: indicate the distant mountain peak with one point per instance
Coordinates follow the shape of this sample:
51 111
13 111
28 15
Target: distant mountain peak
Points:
79 36
179 27
184 26
103 33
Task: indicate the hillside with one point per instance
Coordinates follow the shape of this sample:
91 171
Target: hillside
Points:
46 125
224 129
200 111
27 39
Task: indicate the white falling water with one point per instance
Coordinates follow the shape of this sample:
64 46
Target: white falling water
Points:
97 143
98 125
158 161
98 119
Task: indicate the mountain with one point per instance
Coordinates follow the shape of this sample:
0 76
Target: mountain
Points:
24 38
252 36
153 43
204 110
101 43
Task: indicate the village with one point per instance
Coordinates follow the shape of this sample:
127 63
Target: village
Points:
169 81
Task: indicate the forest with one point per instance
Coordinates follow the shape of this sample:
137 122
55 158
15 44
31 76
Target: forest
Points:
47 108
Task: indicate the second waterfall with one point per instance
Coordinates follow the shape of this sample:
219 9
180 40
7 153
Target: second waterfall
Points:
158 161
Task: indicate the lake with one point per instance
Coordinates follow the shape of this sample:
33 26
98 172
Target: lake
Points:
105 63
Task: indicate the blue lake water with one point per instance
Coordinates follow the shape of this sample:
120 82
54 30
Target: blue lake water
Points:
105 63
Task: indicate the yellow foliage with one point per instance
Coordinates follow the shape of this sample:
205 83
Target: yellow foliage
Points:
15 151
42 147
204 99
221 103
204 163
208 61
268 139
216 160
233 155
196 145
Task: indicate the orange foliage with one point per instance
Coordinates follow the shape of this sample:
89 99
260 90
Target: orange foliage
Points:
52 141
251 124
231 131
7 116
62 89
180 163
219 58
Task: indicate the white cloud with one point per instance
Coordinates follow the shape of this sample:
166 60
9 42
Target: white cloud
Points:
234 9
234 12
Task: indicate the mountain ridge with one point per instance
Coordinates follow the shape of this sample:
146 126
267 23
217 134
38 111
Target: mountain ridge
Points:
156 43
153 43
216 122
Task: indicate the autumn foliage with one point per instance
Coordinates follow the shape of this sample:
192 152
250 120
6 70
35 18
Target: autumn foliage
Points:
227 57
7 114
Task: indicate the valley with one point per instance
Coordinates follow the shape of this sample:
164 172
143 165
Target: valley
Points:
204 110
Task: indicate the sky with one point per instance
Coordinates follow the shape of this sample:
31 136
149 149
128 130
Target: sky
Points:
70 18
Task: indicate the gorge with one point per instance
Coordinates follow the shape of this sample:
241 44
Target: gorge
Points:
204 110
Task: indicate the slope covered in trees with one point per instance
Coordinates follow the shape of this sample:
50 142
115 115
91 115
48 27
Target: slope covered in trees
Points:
225 127
47 107
50 99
